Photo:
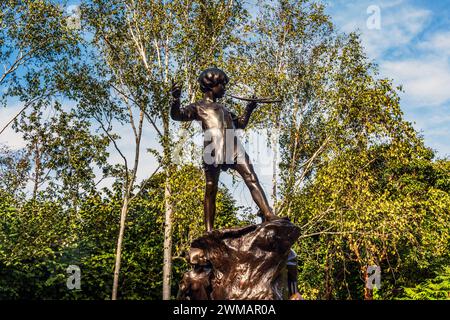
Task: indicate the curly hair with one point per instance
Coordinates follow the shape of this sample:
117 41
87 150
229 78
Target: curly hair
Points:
211 77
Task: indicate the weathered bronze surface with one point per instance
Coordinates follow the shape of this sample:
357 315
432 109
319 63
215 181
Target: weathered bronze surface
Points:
241 263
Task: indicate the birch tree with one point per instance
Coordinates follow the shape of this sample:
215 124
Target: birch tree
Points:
289 59
145 45
36 43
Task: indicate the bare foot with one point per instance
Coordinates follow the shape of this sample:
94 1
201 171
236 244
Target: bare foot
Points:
273 217
268 217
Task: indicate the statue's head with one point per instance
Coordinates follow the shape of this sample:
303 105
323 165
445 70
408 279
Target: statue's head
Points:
213 79
197 257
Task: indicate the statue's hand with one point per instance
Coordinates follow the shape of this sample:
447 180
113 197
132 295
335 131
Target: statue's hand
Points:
176 90
252 104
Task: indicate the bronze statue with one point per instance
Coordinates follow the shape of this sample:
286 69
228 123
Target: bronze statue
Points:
252 262
195 284
217 122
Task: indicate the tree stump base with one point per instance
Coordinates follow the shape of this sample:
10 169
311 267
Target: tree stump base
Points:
247 263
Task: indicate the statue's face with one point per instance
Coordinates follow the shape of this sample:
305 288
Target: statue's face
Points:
218 90
197 256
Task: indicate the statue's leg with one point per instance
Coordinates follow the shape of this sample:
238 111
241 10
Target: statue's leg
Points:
209 205
247 172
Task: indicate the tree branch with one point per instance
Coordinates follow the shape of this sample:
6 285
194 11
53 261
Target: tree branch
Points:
24 108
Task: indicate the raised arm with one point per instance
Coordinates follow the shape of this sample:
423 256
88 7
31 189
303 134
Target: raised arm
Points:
242 121
177 112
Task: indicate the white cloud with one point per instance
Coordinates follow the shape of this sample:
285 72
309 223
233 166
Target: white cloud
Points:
438 43
400 23
426 76
426 82
435 122
423 68
12 139
398 28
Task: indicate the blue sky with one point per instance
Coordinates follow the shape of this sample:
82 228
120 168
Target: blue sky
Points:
412 47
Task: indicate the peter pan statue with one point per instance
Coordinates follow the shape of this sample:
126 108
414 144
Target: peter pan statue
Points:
222 151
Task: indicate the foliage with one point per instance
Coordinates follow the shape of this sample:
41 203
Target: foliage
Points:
437 288
39 240
14 168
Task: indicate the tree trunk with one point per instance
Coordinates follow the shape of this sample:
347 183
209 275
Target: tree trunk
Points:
274 172
123 217
168 219
328 283
167 266
368 293
37 169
